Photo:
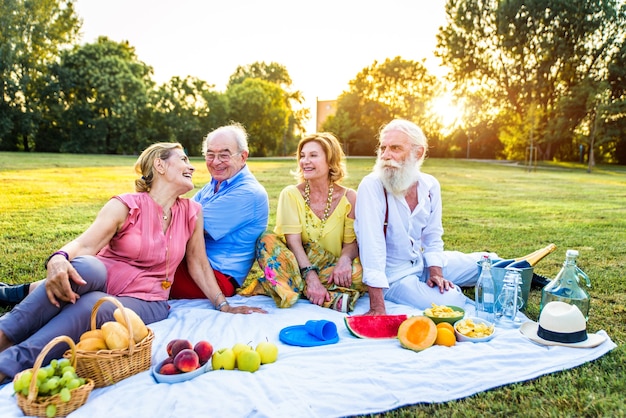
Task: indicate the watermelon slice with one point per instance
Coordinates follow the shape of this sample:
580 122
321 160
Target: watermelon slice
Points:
380 326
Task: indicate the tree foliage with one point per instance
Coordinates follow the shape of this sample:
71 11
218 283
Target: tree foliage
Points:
395 88
277 74
103 91
533 59
260 106
32 33
185 110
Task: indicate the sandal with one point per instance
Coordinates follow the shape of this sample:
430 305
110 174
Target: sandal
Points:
341 303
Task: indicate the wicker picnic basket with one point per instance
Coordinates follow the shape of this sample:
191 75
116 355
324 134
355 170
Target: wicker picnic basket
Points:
32 405
107 367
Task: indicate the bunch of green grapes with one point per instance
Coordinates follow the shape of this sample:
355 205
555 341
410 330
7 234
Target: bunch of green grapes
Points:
58 377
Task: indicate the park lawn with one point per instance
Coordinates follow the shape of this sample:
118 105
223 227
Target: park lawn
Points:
49 199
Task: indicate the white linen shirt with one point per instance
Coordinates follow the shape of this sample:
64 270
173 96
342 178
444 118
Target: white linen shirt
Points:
413 240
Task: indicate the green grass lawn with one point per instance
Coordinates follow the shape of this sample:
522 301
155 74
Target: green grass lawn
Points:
48 199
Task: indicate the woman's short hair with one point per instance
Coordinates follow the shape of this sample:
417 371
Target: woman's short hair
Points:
335 157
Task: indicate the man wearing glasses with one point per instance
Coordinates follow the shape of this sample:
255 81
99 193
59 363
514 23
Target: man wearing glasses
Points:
235 207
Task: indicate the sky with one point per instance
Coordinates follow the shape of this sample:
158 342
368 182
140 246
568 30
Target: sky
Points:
323 44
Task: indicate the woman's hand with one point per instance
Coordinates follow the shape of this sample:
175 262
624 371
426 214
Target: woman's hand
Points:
242 309
342 272
60 272
315 292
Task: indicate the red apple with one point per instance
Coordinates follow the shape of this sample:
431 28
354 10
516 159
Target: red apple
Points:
204 349
180 345
187 360
168 368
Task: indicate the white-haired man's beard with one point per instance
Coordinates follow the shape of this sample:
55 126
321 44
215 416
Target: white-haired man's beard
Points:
398 177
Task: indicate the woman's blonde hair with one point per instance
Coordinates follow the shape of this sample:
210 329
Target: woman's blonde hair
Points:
335 158
145 163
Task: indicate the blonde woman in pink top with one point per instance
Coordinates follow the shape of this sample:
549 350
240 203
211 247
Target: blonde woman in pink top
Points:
130 251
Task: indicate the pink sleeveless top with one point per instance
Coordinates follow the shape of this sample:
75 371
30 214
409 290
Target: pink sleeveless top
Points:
140 256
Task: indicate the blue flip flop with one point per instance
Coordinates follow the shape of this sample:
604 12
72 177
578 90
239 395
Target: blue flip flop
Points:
312 334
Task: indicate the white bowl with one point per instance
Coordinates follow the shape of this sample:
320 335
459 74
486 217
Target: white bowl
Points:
462 337
177 378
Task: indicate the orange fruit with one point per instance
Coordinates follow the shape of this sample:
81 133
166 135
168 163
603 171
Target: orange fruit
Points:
446 325
445 337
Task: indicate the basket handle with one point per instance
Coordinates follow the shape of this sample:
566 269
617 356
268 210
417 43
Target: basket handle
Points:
32 389
129 326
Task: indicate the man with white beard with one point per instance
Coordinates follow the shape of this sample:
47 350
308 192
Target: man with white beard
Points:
399 230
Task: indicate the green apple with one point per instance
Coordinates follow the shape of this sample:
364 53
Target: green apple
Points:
238 348
249 361
223 359
268 352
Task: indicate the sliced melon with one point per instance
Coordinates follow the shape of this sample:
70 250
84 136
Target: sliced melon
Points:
379 326
417 333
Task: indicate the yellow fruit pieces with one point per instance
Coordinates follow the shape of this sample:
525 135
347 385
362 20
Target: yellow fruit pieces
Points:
471 329
441 311
140 331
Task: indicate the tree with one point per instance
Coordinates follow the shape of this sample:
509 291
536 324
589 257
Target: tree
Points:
277 74
526 56
260 106
395 88
185 110
31 35
103 92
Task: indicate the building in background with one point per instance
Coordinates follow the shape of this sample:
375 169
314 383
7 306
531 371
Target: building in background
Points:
324 109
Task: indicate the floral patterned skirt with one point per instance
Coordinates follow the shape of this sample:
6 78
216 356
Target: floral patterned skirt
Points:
281 274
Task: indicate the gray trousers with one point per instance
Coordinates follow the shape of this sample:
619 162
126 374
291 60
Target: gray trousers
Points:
35 321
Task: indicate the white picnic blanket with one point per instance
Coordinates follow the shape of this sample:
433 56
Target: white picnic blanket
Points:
354 376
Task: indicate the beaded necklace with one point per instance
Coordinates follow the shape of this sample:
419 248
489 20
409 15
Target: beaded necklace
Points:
309 216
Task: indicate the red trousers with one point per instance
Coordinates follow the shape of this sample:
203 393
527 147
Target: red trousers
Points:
185 288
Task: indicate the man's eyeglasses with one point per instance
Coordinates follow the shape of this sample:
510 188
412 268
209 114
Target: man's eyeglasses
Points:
222 157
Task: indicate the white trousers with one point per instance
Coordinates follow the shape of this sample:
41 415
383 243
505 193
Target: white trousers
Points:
459 268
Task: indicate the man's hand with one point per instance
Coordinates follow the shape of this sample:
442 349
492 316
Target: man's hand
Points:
436 279
377 301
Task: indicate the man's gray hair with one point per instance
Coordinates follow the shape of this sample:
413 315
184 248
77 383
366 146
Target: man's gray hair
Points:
411 130
235 129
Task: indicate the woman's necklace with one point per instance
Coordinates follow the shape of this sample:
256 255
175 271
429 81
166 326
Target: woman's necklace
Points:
309 216
165 284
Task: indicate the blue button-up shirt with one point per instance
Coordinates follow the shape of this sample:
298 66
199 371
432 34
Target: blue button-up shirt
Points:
234 218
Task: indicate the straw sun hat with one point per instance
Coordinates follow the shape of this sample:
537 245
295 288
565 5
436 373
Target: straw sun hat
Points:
561 324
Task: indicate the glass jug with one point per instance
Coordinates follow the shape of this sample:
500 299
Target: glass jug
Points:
566 286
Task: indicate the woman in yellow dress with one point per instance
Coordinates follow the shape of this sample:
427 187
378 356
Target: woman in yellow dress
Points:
313 250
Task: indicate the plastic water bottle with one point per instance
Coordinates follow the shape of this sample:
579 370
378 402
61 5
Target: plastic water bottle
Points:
485 291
